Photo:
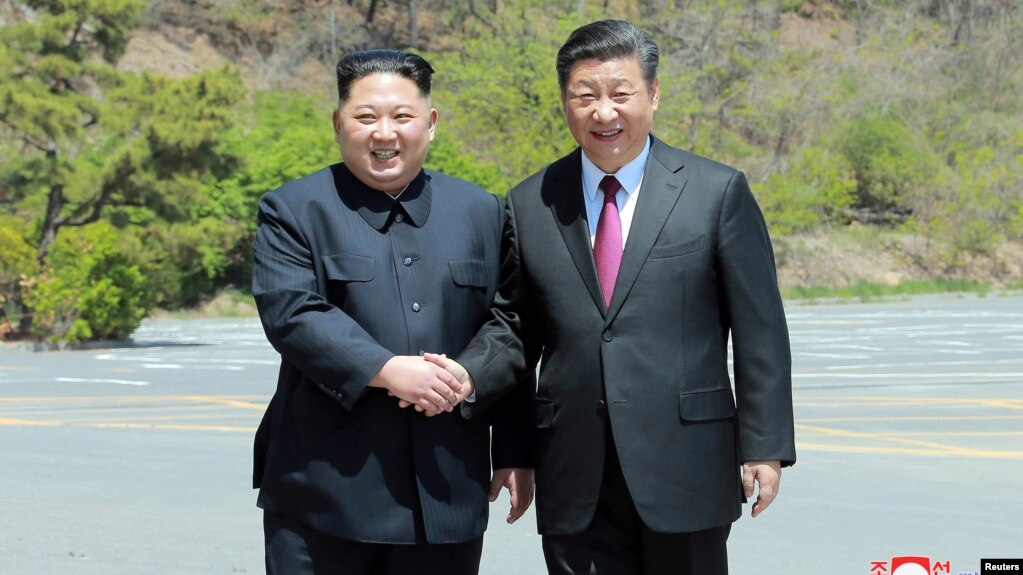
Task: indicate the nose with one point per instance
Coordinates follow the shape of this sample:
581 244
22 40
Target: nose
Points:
385 130
605 111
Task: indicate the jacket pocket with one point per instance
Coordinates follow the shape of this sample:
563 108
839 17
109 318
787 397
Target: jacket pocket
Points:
706 404
349 268
677 249
544 413
469 273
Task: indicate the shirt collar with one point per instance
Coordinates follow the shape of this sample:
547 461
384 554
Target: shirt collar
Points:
376 207
630 176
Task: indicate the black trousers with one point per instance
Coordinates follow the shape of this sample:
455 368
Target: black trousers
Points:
292 548
618 543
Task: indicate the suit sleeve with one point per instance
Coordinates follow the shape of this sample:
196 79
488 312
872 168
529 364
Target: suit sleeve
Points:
511 416
504 352
760 340
326 344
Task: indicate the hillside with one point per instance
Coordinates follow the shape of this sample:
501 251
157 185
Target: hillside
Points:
883 139
279 51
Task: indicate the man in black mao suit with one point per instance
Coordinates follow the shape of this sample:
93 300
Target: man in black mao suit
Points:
640 440
359 269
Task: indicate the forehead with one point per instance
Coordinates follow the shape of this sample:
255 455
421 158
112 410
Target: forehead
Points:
617 71
384 87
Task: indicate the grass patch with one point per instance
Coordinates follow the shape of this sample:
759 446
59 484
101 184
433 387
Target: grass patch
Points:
867 291
227 303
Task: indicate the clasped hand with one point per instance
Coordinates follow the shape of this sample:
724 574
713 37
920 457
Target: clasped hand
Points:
428 383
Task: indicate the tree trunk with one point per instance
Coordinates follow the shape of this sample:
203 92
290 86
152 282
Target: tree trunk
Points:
371 12
413 23
48 233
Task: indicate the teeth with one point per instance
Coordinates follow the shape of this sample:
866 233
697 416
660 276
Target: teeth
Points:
385 154
609 133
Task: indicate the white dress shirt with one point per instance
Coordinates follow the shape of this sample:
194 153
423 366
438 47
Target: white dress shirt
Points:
630 176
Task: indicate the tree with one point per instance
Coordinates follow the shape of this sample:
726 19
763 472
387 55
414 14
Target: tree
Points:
98 144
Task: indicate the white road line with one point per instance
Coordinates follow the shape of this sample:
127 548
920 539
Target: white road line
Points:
117 381
901 375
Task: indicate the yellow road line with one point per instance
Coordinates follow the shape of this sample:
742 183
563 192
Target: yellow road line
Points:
28 422
227 401
926 446
908 418
909 451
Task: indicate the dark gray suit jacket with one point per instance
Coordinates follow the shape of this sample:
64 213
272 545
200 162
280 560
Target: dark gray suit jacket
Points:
344 279
697 266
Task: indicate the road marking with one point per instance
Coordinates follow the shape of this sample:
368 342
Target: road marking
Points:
117 381
897 376
226 401
922 447
909 451
28 422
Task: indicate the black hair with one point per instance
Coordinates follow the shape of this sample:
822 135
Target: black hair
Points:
608 40
360 64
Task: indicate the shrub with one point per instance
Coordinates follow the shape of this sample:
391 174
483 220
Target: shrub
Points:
91 288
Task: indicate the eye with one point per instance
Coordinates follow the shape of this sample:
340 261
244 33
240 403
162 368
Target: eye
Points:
403 116
365 118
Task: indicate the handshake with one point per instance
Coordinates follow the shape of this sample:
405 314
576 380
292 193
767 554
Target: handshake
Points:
432 383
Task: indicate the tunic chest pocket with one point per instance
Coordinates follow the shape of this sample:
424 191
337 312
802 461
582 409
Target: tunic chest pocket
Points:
349 268
469 273
348 276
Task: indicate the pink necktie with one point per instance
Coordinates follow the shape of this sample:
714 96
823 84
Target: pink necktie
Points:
607 246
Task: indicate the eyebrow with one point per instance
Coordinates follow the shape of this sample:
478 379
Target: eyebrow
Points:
372 107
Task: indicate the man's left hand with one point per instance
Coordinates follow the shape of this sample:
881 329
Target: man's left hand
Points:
767 474
519 481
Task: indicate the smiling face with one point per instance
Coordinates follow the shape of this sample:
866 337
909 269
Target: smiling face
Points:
384 130
609 109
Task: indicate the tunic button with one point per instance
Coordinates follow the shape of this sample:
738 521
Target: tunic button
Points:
607 336
407 261
399 218
416 306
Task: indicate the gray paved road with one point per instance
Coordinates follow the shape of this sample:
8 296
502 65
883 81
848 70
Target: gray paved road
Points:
136 460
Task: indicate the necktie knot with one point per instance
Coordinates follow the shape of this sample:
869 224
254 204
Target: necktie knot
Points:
610 186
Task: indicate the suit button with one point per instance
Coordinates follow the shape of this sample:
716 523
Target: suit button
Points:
607 336
407 261
416 306
601 405
399 218
422 352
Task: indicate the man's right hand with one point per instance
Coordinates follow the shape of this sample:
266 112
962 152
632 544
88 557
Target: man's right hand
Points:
428 386
455 369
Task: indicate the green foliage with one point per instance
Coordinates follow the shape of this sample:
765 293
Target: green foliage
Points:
17 263
498 96
815 190
445 156
889 162
868 291
93 288
276 138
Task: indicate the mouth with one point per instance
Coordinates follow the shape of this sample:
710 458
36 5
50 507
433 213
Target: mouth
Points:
606 134
385 154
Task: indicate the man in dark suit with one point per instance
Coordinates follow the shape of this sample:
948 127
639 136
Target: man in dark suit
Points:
359 269
626 267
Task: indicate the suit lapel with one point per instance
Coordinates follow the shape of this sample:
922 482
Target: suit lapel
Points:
562 190
662 186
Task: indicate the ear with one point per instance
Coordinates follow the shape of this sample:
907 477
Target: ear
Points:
655 93
336 119
433 123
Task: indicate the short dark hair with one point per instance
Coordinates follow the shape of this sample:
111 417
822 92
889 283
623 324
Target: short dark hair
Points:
608 40
360 64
